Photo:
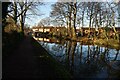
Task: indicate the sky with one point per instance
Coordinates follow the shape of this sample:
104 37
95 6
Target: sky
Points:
44 10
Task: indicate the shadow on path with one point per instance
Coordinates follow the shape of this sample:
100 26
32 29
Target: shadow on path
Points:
26 62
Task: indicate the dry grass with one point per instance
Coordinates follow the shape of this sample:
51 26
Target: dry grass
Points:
111 43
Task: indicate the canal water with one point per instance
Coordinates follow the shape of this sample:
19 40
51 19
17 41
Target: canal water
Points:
84 61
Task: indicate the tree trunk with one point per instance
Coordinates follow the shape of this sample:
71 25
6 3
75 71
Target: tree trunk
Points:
15 12
22 24
23 15
82 21
113 21
90 25
4 14
74 21
70 31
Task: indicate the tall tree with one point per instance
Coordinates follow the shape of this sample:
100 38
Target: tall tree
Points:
45 22
61 12
19 11
90 14
67 13
4 14
74 20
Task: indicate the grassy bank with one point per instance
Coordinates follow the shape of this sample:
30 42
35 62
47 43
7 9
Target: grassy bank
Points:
10 42
58 70
111 43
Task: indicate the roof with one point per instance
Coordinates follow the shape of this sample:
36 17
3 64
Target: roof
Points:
48 27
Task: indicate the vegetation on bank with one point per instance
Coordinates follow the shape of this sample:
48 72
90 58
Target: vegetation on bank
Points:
13 25
60 71
111 43
10 42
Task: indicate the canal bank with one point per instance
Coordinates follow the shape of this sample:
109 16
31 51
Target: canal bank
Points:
111 43
31 61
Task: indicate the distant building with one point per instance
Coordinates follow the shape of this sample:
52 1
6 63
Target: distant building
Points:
87 30
42 29
47 29
84 31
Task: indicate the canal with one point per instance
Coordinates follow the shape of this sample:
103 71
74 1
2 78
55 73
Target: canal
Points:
84 60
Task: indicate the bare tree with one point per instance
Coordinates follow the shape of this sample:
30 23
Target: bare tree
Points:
112 16
60 12
19 11
74 21
4 14
66 12
45 22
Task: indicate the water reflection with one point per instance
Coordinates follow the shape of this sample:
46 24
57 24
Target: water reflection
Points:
84 60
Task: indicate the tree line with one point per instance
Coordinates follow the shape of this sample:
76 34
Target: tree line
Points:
91 14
